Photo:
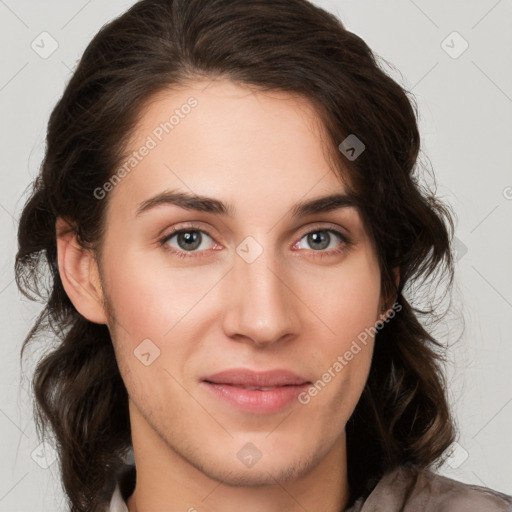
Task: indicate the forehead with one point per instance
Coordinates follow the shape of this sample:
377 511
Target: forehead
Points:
223 139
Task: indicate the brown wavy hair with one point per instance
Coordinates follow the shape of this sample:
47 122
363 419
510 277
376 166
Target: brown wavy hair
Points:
275 45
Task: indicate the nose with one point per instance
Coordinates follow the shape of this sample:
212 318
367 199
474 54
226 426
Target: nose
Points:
262 306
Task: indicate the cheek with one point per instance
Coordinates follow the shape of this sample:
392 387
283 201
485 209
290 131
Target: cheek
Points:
148 296
345 298
348 304
158 311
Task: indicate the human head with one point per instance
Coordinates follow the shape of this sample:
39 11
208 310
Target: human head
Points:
305 52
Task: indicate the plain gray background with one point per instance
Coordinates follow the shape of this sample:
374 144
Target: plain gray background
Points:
465 101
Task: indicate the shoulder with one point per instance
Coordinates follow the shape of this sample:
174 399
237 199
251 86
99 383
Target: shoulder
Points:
409 488
446 494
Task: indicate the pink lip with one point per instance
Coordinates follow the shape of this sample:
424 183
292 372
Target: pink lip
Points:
243 377
230 386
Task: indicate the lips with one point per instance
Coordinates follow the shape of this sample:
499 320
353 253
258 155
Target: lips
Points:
251 380
255 392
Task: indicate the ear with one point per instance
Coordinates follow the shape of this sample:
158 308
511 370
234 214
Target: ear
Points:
79 274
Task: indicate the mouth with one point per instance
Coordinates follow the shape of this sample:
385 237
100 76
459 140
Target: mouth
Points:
246 378
250 388
256 392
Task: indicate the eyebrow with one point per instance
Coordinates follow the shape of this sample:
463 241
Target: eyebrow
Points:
212 205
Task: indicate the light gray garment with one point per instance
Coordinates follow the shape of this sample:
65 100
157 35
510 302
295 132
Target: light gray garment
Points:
409 489
117 504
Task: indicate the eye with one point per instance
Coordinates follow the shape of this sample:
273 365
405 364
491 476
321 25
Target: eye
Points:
321 239
187 240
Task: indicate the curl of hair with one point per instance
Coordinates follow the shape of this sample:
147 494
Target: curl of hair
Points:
272 45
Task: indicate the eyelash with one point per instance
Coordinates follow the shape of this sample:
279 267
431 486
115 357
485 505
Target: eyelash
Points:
345 242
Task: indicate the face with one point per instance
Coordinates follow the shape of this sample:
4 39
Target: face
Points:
255 287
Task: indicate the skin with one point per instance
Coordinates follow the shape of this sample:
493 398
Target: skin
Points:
289 308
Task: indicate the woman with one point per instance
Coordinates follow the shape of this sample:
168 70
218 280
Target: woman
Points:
230 208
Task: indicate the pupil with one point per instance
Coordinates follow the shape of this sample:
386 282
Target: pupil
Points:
320 237
192 240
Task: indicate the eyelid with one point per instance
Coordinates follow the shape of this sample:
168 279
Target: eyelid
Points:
190 226
324 226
